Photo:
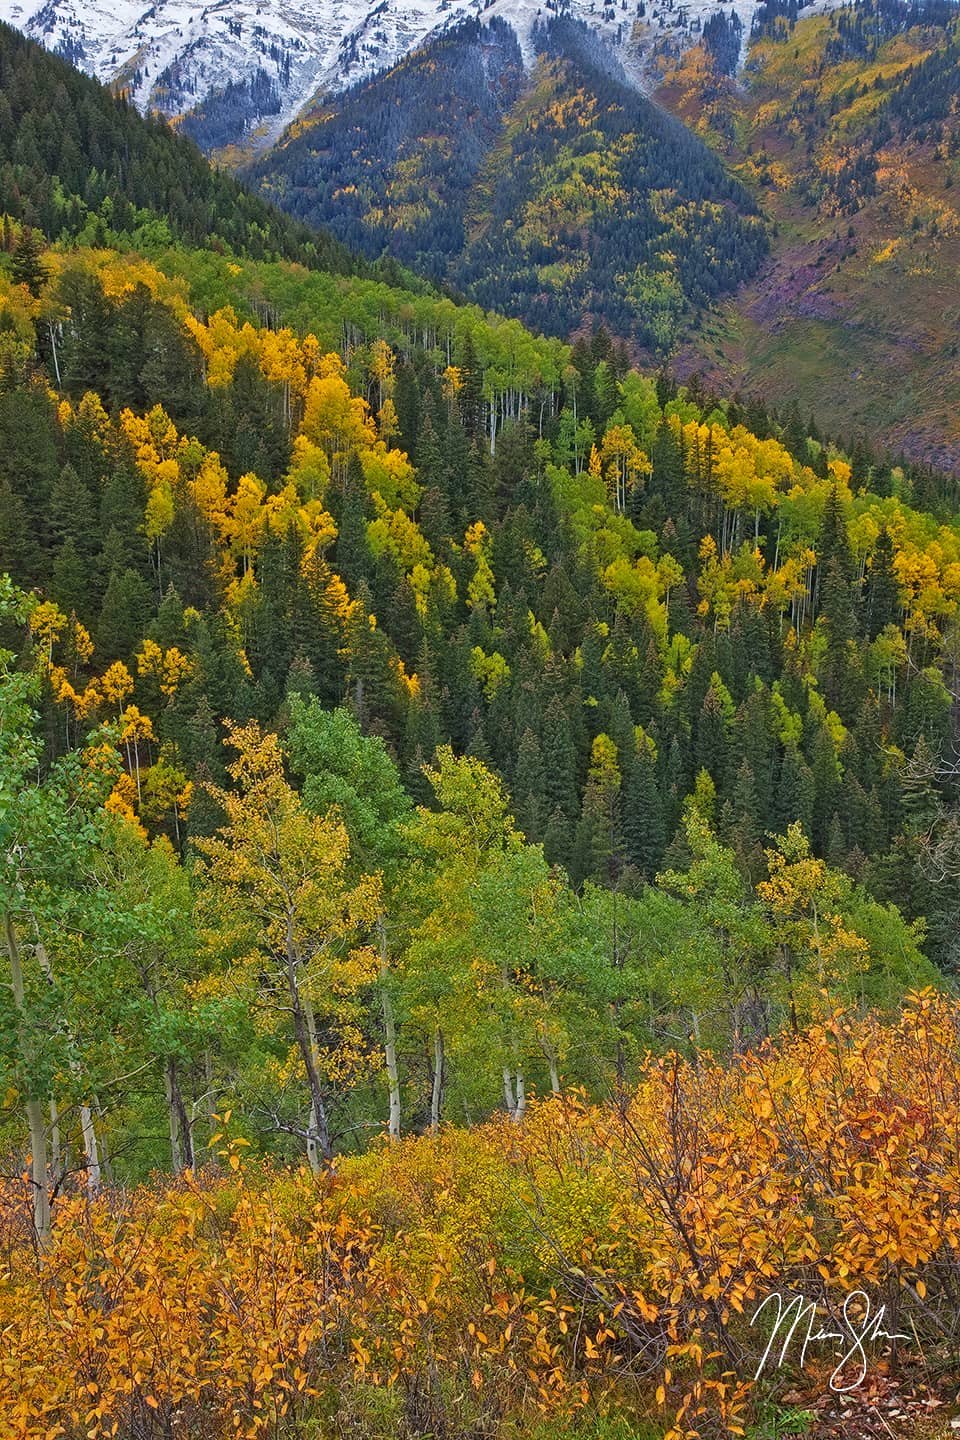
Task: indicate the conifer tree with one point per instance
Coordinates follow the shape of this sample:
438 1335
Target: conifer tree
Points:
645 839
559 762
26 264
529 788
882 602
352 556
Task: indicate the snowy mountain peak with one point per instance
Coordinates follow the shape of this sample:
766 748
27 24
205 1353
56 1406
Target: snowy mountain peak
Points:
258 62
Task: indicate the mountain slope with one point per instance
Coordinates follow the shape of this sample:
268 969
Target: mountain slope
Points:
391 163
846 130
75 161
249 66
564 199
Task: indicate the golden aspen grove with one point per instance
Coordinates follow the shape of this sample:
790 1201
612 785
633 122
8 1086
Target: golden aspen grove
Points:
479 853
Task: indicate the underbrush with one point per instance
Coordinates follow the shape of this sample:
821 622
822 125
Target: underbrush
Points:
593 1272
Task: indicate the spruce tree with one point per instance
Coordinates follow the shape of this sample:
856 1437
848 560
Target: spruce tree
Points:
882 602
70 580
833 545
26 263
644 830
840 675
529 788
123 615
559 763
73 513
794 796
352 557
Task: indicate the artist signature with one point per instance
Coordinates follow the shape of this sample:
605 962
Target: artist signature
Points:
796 1319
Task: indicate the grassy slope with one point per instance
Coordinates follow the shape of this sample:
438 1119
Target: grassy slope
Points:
860 326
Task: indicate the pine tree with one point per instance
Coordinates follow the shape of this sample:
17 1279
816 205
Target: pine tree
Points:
19 553
70 580
123 615
795 789
352 557
833 545
667 480
559 763
73 513
558 839
712 733
26 264
840 675
882 603
470 395
644 831
529 787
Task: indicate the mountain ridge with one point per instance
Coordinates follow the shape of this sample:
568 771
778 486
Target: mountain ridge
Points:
177 55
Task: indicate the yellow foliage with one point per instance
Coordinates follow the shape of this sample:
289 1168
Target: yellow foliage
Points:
536 1266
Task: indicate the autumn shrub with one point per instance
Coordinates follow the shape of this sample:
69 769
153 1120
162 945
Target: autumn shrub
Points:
594 1260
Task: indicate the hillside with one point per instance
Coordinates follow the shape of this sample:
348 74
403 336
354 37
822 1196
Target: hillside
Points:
563 199
845 131
77 163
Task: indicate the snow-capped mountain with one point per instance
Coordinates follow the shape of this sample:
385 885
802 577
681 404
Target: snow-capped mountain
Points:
263 60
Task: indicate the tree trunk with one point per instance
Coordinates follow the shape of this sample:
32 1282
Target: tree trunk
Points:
550 1055
38 1171
33 1107
210 1097
181 1136
521 1109
508 1099
90 1149
87 1130
105 1162
436 1098
389 1036
54 1135
319 1129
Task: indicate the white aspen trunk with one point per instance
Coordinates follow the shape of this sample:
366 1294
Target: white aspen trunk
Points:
87 1130
91 1150
313 1149
105 1164
211 1098
550 1055
508 1096
176 1154
389 1037
436 1097
54 1135
53 347
521 1106
38 1171
33 1107
314 1157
